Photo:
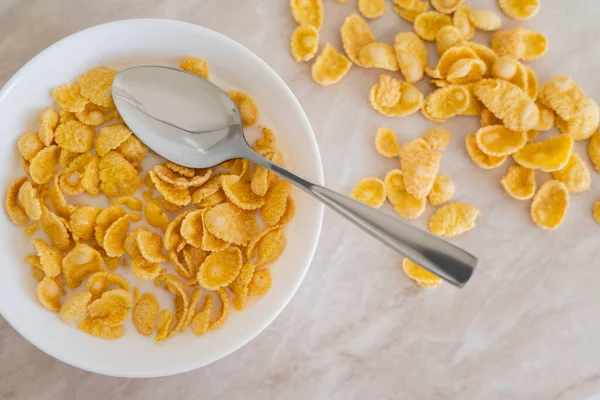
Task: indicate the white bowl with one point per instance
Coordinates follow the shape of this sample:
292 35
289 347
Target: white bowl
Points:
164 42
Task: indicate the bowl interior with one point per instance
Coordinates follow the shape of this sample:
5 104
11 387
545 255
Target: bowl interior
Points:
160 42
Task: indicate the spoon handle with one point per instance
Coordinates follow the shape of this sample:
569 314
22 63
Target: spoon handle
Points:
432 253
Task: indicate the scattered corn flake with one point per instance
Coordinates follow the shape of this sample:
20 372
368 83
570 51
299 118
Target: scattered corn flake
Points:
411 54
466 71
549 205
69 98
239 192
388 91
117 176
191 310
48 292
548 155
201 319
547 116
95 327
65 116
420 165
270 247
246 107
48 122
100 282
575 175
520 43
95 85
57 199
171 193
91 115
437 138
372 8
50 259
180 169
144 314
304 43
225 306
462 21
410 13
446 6
594 151
480 158
428 24
144 269
261 282
172 236
453 219
65 158
250 249
519 182
386 143
30 201
595 212
420 275
532 83
195 65
14 210
181 182
445 103
449 58
410 102
42 166
220 268
485 20
497 140
193 258
330 66
519 9
404 204
81 261
104 220
56 229
31 229
370 191
447 37
309 12
155 216
82 222
111 137
509 103
130 244
133 149
150 246
259 183
111 263
231 224
131 202
356 34
487 118
114 238
378 55
178 265
75 308
485 54
275 202
442 191
112 308
75 137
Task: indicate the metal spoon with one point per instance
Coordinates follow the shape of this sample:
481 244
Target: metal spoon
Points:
193 122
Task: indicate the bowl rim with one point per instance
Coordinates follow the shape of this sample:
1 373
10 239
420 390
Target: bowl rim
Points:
311 246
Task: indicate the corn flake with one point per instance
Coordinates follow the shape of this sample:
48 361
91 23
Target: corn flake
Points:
595 212
437 138
485 20
519 182
449 58
519 9
261 282
220 268
48 122
275 202
453 219
411 54
117 176
114 238
29 145
466 71
410 102
69 98
420 165
330 66
549 205
428 24
447 37
105 219
480 158
246 107
217 323
509 103
96 86
445 103
144 269
48 292
372 8
370 191
239 286
201 319
81 261
171 193
50 259
172 237
356 34
133 149
239 192
195 65
56 229
75 308
386 143
30 201
95 327
155 216
57 199
75 137
404 204
231 224
307 12
548 155
144 314
497 140
519 43
462 21
442 191
42 166
100 282
575 175
412 11
150 246
378 55
420 275
15 211
111 137
270 247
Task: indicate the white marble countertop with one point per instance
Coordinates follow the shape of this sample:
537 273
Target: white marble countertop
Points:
527 324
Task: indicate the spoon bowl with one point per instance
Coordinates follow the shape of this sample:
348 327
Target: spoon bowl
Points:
192 122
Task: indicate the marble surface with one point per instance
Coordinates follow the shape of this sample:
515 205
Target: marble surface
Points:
527 324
